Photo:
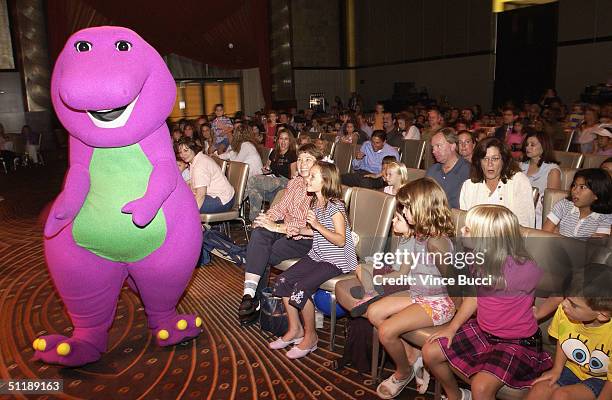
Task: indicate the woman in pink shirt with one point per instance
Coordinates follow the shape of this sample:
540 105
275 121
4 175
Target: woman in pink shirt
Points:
212 190
502 345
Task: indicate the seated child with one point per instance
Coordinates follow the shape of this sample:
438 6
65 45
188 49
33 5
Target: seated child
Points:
425 223
396 175
586 210
502 344
583 330
385 162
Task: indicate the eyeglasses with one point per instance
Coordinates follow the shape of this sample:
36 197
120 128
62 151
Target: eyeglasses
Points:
487 160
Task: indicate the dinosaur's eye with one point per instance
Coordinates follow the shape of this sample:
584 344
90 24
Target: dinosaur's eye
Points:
82 46
123 45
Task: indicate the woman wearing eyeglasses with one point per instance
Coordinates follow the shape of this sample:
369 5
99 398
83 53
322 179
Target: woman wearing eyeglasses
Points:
495 178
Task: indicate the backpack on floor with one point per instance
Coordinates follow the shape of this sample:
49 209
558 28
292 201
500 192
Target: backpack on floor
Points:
219 244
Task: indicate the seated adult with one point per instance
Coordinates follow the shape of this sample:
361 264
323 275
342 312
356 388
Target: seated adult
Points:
394 135
450 170
368 161
244 150
212 190
281 166
466 142
269 244
495 178
540 166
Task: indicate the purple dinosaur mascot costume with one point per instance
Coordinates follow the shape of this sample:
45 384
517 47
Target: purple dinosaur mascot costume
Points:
124 212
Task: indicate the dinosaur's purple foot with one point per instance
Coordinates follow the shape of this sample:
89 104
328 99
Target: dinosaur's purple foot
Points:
178 329
61 350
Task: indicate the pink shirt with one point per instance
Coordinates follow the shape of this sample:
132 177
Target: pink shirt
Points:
508 313
205 172
514 141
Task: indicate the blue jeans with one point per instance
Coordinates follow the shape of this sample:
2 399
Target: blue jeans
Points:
214 205
568 378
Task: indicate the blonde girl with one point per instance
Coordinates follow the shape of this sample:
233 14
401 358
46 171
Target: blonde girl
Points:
425 223
332 254
502 344
396 176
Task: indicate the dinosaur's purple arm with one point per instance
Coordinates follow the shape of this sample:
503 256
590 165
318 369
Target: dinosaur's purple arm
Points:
162 182
76 186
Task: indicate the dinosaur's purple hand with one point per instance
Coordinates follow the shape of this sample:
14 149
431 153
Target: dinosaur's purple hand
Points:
143 211
69 202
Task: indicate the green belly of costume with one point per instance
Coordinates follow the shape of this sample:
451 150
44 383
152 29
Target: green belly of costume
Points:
118 176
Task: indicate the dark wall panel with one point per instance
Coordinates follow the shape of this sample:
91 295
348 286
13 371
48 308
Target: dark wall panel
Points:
316 33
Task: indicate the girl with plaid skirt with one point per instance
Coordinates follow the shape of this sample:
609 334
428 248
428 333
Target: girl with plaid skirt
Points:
332 254
502 344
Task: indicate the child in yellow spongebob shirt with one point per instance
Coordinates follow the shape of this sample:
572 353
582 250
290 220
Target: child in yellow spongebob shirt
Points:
581 369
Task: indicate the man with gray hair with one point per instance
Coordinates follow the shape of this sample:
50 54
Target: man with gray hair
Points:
450 170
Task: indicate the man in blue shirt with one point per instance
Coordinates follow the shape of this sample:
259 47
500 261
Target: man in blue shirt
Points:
368 161
450 170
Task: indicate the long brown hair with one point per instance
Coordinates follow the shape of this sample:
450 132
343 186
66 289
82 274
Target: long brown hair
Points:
291 151
428 205
332 186
242 133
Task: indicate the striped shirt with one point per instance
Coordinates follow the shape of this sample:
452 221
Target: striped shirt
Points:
293 207
343 258
565 214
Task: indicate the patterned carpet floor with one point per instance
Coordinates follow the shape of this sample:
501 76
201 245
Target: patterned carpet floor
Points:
225 362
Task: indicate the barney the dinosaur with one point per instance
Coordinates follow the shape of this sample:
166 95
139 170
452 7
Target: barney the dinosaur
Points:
124 211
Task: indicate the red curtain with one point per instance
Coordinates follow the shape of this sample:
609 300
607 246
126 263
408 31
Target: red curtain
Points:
200 30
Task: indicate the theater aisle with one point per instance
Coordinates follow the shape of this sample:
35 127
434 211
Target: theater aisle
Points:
225 362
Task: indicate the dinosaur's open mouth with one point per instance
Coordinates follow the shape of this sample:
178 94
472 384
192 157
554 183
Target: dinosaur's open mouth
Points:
114 118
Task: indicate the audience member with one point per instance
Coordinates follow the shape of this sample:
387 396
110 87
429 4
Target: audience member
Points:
396 176
509 115
279 169
271 127
435 123
541 167
332 254
502 344
426 225
394 136
586 134
244 149
603 143
514 139
377 118
269 244
450 170
495 178
221 125
406 126
586 210
212 190
369 161
466 143
583 330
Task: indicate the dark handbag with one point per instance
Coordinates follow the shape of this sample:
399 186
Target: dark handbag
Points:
358 347
272 316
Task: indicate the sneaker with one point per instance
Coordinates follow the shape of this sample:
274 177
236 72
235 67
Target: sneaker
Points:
248 305
465 394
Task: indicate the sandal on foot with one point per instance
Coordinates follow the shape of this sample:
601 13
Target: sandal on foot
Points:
421 375
394 386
